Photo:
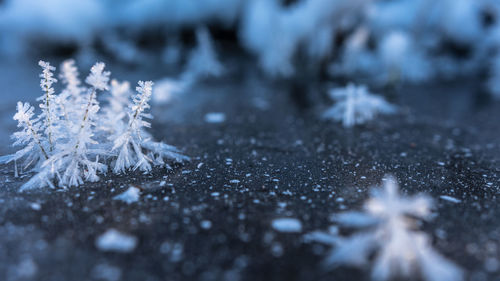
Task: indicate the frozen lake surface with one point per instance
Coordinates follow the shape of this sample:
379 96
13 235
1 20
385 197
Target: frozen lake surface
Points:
269 158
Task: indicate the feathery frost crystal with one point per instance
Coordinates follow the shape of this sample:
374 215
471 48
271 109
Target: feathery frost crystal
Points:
71 141
355 105
391 232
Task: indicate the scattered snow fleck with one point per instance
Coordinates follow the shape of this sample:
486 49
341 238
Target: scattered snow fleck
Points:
206 224
215 117
234 181
163 183
36 206
115 241
288 225
130 196
215 194
449 198
199 165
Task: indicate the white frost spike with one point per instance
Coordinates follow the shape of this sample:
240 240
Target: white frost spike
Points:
70 101
74 157
116 110
48 105
69 76
29 136
355 105
98 78
391 233
135 147
203 60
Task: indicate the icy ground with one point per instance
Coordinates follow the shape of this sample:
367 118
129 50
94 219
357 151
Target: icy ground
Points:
269 158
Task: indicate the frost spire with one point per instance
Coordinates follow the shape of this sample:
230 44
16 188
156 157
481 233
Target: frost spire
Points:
48 104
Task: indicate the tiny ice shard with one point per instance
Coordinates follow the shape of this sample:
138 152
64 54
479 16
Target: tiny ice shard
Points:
449 198
114 241
131 195
288 225
215 117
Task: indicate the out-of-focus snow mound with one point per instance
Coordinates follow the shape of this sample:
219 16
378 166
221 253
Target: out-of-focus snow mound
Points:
381 40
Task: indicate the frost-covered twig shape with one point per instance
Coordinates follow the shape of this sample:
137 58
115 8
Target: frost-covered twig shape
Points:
135 147
69 142
391 233
355 105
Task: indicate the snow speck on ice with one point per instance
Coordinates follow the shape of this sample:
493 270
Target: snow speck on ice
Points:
215 117
115 241
287 225
130 196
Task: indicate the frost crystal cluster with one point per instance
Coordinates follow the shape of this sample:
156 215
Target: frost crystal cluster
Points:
72 140
355 105
391 233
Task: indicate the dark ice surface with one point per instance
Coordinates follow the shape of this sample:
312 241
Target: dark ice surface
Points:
272 158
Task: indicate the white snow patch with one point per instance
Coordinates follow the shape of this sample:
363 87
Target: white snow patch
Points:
114 241
215 117
130 196
234 181
288 225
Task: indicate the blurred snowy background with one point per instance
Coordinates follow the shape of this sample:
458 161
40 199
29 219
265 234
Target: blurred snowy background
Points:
373 41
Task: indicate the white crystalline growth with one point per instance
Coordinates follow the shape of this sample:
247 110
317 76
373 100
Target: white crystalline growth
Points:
203 60
134 146
30 136
131 195
354 105
69 141
115 241
391 233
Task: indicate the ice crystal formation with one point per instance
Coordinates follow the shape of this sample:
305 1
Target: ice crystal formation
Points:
355 105
389 229
203 60
72 140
